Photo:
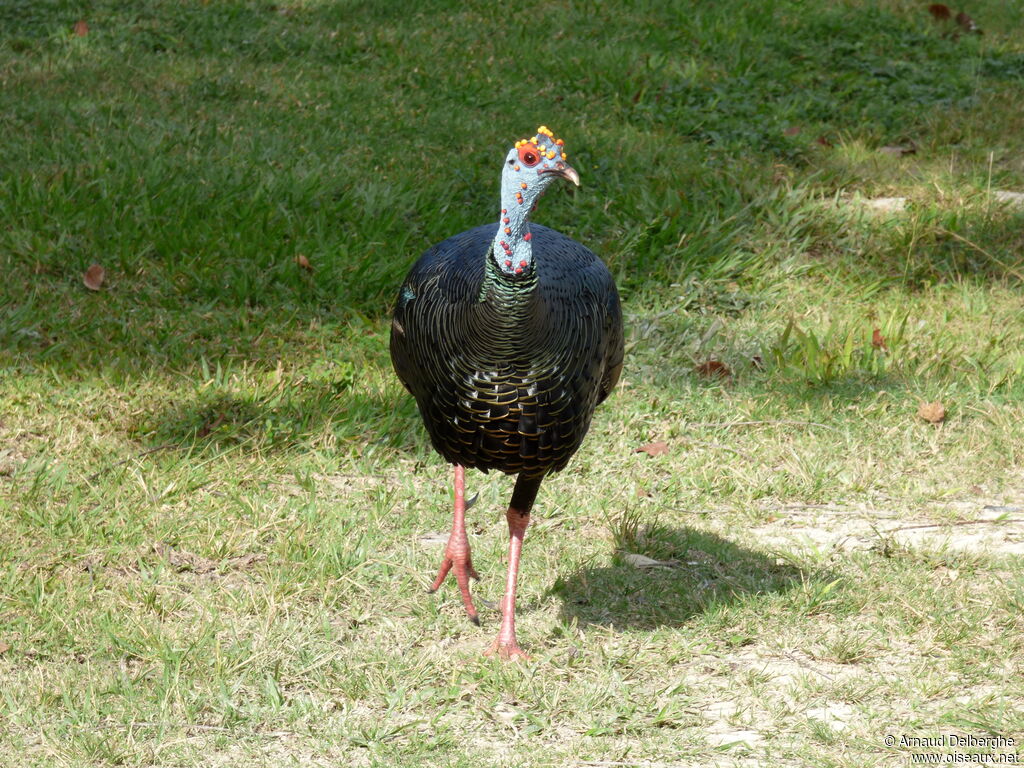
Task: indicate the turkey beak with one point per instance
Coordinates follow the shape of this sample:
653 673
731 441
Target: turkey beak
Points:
564 171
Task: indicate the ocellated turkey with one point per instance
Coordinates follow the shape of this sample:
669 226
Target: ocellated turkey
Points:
508 335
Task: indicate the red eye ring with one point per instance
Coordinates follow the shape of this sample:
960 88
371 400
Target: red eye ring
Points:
529 155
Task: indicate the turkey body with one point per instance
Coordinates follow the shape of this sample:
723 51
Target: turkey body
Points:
507 372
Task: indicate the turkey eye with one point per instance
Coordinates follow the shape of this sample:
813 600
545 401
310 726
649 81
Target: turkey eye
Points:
528 155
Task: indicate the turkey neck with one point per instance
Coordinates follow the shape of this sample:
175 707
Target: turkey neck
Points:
510 277
508 299
508 302
508 294
511 252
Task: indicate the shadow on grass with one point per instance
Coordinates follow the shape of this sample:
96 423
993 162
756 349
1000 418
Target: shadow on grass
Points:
315 412
706 573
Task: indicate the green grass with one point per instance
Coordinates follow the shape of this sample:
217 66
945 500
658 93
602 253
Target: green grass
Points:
217 502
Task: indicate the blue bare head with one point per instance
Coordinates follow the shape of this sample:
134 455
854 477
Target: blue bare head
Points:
530 168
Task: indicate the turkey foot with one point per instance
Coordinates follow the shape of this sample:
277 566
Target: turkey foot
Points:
507 651
456 553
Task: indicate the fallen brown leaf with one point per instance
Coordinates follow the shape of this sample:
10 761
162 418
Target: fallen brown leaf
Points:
93 277
793 130
877 340
81 28
823 141
644 562
209 426
933 413
4 647
967 23
714 368
939 11
899 149
653 449
303 262
758 362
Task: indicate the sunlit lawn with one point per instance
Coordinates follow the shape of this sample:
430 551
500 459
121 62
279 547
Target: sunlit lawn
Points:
220 511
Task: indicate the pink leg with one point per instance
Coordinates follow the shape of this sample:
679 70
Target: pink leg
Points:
505 644
456 554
